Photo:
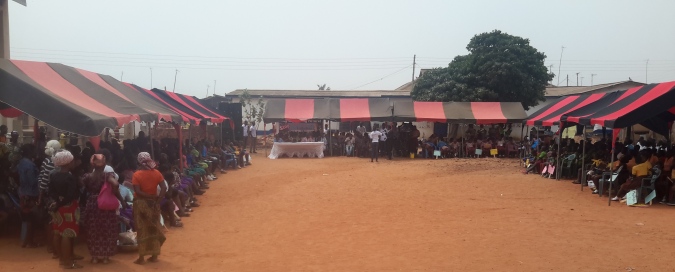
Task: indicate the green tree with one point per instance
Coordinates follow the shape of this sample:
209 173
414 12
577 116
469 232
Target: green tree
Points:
253 111
499 68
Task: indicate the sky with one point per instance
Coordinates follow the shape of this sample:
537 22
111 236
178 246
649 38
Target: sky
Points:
346 44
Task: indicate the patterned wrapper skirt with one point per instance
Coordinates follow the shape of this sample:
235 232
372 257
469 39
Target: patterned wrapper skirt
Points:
103 228
149 234
65 220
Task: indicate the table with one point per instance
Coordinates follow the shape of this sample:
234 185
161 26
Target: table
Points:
311 149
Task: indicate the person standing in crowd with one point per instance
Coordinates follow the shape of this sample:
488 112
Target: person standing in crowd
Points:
47 167
253 134
146 208
389 142
244 129
349 144
375 139
102 224
65 208
383 140
29 191
361 129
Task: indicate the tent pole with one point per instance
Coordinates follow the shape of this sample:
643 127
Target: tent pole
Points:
152 146
611 165
583 158
463 148
557 161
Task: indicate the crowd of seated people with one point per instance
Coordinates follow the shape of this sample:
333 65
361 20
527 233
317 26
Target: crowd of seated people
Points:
61 195
403 140
634 165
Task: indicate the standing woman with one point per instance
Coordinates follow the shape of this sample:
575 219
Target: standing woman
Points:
101 222
375 139
28 192
146 208
64 191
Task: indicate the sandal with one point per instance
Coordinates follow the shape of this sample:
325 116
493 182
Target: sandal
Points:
73 266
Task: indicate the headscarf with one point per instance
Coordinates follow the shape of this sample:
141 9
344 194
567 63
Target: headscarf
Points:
52 147
62 158
146 161
97 160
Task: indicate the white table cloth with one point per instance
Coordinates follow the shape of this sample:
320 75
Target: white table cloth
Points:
311 149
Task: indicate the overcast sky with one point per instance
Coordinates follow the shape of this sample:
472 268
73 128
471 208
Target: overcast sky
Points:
346 44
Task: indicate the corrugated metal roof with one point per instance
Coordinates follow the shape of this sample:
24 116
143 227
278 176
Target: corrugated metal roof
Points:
571 90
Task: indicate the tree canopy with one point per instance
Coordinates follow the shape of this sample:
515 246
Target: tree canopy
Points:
499 68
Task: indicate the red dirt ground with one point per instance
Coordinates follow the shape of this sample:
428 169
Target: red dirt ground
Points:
347 214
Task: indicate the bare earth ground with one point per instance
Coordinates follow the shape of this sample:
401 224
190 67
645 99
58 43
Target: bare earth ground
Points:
347 214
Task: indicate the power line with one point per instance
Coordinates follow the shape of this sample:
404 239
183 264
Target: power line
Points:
383 77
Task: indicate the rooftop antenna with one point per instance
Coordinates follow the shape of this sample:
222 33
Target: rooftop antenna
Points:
150 78
214 87
578 79
562 48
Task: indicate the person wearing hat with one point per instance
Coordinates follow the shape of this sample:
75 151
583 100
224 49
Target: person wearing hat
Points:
65 208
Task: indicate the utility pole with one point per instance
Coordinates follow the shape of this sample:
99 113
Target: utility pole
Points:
413 74
592 75
174 81
568 80
562 48
214 87
207 90
550 70
577 79
150 78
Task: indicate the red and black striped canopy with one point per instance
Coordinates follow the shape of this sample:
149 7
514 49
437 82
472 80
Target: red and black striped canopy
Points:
550 114
653 103
360 109
296 110
459 112
74 100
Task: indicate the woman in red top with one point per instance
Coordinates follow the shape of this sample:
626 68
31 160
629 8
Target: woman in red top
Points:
146 208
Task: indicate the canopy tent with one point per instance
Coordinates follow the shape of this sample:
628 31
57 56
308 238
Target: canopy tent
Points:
459 112
188 115
193 104
296 110
550 114
651 105
360 109
71 99
8 111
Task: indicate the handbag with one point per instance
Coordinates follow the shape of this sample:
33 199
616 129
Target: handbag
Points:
106 200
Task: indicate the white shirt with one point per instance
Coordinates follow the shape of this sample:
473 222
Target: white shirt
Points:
383 136
375 136
109 169
361 129
245 129
252 131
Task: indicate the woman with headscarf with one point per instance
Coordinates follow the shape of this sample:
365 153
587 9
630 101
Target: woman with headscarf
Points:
146 208
65 208
47 167
102 225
